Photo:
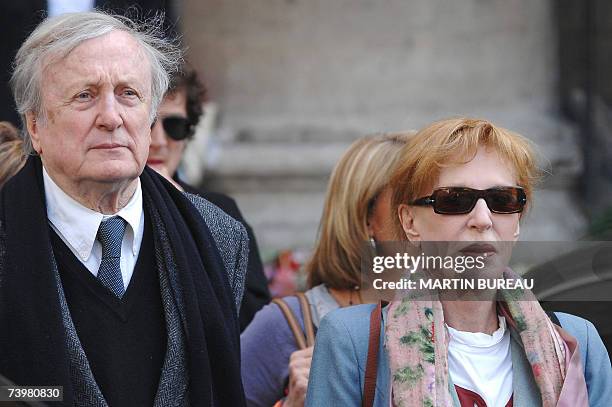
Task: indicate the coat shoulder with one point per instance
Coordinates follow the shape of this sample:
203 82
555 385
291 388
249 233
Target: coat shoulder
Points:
231 239
355 321
214 216
578 327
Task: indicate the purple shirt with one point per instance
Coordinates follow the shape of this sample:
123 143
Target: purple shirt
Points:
266 345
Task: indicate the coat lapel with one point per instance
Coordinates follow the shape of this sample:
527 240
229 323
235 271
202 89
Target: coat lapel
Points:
525 389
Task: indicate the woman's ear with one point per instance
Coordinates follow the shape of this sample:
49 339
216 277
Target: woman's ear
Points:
406 216
370 228
517 232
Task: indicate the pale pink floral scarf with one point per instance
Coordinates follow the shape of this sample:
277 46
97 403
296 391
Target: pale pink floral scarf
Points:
417 345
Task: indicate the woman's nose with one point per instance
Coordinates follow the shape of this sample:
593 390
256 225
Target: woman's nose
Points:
480 217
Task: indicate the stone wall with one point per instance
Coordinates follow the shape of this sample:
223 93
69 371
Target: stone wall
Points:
296 81
585 60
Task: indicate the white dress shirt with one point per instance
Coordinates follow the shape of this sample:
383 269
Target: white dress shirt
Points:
482 363
78 226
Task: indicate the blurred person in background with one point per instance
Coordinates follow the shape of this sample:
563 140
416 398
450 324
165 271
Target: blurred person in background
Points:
357 205
113 284
460 180
283 273
177 118
12 156
19 18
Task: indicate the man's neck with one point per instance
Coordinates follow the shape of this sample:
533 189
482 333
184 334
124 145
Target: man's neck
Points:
109 201
106 198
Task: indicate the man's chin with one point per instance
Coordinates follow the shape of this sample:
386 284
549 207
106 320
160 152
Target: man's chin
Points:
116 173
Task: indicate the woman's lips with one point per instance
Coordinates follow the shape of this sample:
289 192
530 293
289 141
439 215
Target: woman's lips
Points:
479 249
153 161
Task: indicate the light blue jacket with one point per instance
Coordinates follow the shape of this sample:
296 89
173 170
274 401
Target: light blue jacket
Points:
338 365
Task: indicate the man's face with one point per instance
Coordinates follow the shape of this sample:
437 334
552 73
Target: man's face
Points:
165 153
97 102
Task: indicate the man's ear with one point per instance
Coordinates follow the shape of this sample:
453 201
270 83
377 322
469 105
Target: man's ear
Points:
32 127
406 216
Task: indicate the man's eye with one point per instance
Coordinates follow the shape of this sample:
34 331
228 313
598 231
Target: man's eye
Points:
130 93
83 96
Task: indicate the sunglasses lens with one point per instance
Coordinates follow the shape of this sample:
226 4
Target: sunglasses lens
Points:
176 128
506 200
453 200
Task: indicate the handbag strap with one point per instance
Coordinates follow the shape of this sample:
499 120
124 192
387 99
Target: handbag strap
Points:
371 371
307 316
292 321
302 340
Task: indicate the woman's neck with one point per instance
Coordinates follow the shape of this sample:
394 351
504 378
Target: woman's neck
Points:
471 316
345 297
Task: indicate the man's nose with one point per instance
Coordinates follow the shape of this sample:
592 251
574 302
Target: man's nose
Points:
109 115
480 217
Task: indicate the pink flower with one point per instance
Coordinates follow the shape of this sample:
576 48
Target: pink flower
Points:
537 369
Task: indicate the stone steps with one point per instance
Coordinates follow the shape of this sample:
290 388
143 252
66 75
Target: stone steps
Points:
280 184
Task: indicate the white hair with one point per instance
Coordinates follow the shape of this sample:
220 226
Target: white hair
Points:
56 37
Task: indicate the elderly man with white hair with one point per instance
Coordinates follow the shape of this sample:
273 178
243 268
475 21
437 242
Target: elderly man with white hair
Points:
113 284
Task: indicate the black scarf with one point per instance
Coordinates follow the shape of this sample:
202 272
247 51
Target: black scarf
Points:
32 337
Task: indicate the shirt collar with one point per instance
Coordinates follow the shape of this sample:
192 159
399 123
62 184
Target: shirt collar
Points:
79 225
480 339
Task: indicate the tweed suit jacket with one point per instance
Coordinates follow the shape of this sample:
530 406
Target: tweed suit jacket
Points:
229 235
232 241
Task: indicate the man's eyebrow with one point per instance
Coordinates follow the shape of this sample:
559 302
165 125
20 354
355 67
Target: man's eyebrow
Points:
88 83
129 82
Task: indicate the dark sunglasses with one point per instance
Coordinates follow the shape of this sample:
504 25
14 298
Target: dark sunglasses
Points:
460 200
176 127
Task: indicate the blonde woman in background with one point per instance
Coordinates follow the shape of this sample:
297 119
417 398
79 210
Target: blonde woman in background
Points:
12 156
356 210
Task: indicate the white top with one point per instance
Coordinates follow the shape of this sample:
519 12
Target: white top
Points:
482 363
78 226
56 7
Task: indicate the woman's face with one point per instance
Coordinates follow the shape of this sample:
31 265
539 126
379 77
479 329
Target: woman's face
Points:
486 170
